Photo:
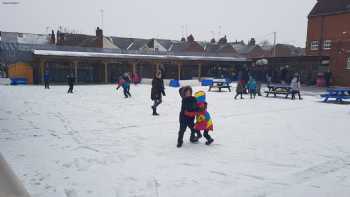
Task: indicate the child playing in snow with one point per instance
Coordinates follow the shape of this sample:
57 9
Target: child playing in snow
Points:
203 120
124 81
251 85
239 89
187 115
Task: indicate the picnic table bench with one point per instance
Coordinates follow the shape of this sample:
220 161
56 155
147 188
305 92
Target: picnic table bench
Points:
278 89
220 84
339 94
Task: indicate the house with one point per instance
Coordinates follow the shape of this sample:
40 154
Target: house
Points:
24 38
121 42
286 50
251 50
328 35
189 45
137 44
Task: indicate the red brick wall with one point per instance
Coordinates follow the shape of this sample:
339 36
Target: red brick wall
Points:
337 29
338 62
334 26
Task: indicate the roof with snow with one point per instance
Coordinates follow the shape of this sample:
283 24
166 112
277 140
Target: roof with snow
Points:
57 53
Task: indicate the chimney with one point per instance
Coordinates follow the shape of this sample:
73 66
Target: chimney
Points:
252 42
59 38
99 38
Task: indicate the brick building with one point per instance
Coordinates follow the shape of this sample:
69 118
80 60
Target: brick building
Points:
329 35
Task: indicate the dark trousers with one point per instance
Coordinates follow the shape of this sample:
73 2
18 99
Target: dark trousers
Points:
126 91
70 90
239 93
258 88
295 92
252 93
47 85
184 123
206 135
156 102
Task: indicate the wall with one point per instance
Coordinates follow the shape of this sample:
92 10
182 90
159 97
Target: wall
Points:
336 27
339 56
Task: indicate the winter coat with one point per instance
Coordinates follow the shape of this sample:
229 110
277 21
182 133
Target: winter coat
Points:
157 89
70 80
203 119
46 77
239 88
188 108
251 85
295 84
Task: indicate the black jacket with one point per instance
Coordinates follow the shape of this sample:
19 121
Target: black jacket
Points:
189 104
157 89
70 80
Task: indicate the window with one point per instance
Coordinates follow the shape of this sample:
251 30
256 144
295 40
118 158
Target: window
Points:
314 45
327 44
348 63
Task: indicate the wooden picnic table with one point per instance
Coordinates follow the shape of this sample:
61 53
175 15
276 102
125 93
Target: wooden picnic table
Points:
220 84
339 94
277 89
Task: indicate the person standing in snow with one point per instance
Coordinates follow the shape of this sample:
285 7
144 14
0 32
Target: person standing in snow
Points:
124 81
295 86
239 89
251 85
157 92
203 120
47 80
70 80
187 115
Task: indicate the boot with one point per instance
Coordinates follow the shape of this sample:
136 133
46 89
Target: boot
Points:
155 111
179 144
193 138
210 141
199 135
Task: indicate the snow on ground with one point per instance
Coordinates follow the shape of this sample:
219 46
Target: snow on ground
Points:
96 143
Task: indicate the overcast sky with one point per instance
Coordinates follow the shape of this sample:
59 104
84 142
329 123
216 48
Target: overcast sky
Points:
238 19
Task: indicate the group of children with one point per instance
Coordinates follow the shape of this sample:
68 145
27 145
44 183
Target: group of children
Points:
251 86
124 82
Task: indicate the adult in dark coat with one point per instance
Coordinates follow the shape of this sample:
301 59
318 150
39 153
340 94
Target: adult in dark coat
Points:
157 92
70 80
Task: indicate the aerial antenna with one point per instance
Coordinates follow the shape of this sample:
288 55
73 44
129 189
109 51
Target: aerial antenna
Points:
102 14
212 34
182 31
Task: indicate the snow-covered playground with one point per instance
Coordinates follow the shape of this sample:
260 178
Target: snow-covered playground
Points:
96 143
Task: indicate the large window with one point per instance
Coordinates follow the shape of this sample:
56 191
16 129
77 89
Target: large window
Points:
327 44
348 63
314 45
